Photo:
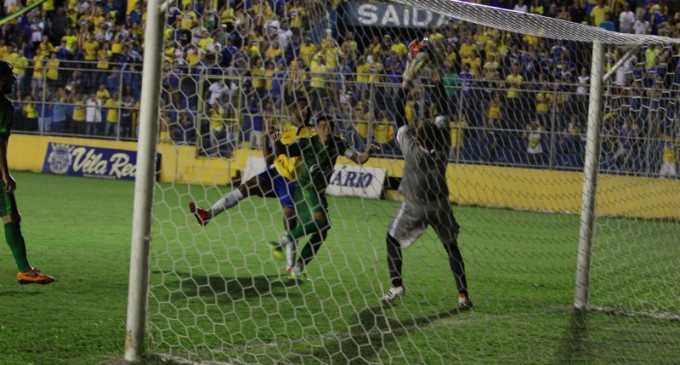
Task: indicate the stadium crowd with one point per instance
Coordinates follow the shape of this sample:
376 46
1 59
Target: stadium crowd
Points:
515 99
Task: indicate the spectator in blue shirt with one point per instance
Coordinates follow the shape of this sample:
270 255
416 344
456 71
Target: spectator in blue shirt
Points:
607 23
59 111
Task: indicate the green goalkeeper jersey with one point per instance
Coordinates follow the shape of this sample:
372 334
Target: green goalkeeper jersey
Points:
6 115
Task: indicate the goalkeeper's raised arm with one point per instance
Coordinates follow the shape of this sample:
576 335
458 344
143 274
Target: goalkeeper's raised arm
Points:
422 54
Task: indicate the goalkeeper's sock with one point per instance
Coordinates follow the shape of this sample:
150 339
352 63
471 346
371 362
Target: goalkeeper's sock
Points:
18 246
394 260
291 252
302 230
457 265
312 247
225 203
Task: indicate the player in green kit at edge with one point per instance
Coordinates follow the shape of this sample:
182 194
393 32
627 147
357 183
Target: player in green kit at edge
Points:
315 167
8 205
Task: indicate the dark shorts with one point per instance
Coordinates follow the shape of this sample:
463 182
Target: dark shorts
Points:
8 205
274 185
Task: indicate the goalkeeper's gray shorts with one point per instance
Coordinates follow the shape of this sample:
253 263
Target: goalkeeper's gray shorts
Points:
412 219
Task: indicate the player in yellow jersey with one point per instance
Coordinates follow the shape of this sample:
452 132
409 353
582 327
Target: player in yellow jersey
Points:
276 181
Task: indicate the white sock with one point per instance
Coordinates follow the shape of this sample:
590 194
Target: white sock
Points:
226 202
291 252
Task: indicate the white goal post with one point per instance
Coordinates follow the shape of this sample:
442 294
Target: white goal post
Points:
138 292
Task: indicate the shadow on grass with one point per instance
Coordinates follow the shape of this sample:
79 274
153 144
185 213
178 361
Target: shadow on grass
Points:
226 288
574 347
11 293
367 338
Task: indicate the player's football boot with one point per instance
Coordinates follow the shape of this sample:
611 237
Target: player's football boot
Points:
294 273
200 214
277 250
395 293
464 302
33 276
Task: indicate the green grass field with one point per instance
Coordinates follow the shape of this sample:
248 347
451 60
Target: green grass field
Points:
217 294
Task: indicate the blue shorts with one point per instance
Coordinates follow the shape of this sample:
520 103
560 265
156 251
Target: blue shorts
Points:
274 185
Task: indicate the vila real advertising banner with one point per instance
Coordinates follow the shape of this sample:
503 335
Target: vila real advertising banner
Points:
388 15
354 180
75 160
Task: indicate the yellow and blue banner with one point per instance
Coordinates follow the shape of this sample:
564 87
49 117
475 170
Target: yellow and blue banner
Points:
76 160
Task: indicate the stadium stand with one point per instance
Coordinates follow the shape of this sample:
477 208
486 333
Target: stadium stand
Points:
79 68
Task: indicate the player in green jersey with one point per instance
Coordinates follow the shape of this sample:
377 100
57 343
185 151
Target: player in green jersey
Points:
8 205
313 172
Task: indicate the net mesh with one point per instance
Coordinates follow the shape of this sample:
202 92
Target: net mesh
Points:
517 96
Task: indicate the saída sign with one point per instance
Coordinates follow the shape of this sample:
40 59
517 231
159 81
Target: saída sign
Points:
391 16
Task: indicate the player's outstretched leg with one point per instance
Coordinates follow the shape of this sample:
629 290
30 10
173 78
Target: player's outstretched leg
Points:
202 215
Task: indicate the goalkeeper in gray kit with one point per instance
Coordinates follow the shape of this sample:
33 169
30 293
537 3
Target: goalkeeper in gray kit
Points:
426 197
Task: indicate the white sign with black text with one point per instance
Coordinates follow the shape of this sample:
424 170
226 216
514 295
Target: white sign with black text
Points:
347 180
366 182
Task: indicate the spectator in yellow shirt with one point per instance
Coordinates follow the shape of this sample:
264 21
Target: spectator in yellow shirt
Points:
4 49
400 48
494 112
69 38
537 7
103 57
216 128
112 107
257 73
669 155
297 76
458 127
90 48
318 72
475 64
513 84
78 118
544 99
188 18
467 47
597 14
363 70
253 50
268 81
39 62
52 67
192 56
227 16
102 95
297 15
30 114
331 52
274 53
350 46
307 51
382 129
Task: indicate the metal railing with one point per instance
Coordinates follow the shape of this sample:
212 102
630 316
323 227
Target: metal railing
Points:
364 111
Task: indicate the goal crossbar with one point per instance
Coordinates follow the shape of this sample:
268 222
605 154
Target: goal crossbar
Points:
534 24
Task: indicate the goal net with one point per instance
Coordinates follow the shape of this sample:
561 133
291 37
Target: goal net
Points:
518 97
